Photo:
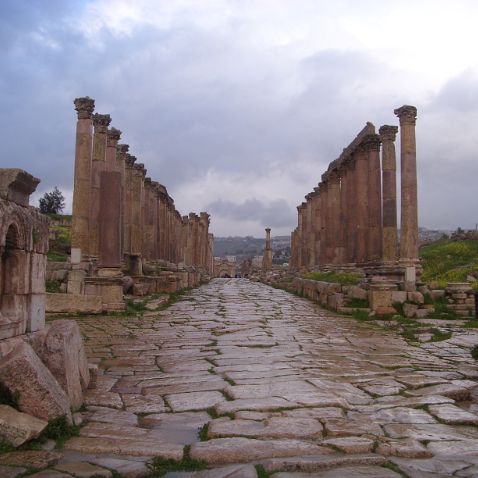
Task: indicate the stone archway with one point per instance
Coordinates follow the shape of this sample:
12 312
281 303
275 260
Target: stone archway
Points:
9 274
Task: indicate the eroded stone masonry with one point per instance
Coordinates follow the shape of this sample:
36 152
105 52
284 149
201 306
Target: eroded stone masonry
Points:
349 221
126 224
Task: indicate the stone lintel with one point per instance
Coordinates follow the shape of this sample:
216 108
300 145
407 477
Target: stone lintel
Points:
407 114
16 185
84 107
388 133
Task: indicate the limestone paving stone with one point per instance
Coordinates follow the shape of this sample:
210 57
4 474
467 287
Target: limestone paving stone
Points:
342 472
451 414
30 458
286 361
16 428
11 472
84 470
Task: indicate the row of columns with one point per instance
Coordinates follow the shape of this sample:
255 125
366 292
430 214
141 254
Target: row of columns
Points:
121 217
351 217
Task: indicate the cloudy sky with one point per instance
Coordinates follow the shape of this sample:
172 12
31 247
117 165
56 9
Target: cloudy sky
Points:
238 106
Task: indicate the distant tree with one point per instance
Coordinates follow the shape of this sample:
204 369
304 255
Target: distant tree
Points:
52 202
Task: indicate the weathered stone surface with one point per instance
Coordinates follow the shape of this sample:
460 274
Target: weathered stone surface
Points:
237 450
60 347
40 395
11 472
451 414
342 472
182 402
30 458
351 444
126 468
410 310
274 427
320 462
73 303
17 428
231 471
404 448
84 470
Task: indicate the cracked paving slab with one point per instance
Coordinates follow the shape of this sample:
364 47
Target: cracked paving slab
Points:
244 374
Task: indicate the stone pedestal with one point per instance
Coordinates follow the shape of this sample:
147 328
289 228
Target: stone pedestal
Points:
110 289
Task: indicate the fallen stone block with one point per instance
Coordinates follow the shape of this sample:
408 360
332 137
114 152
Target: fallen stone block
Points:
24 374
16 427
60 347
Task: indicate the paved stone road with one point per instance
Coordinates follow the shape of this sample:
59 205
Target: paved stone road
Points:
278 382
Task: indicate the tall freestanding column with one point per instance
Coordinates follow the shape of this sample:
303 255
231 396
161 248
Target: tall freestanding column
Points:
267 257
100 123
82 182
389 173
408 166
361 198
374 237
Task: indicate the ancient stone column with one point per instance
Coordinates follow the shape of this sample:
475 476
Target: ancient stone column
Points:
316 221
162 221
210 263
351 207
155 213
374 241
136 219
323 223
267 255
113 136
361 198
389 183
121 154
82 181
343 213
100 123
128 192
408 166
335 236
147 231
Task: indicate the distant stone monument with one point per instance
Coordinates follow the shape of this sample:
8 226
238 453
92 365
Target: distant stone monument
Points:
267 256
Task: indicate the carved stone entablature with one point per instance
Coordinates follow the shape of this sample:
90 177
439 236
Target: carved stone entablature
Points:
113 137
388 133
407 114
147 182
16 185
101 123
84 107
371 142
139 167
325 177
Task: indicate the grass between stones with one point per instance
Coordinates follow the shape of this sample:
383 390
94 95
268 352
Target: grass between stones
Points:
474 352
261 472
395 468
57 429
203 431
161 466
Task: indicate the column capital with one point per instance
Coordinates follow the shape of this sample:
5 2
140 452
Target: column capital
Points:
129 160
101 122
268 230
113 136
371 142
407 114
122 148
388 133
84 107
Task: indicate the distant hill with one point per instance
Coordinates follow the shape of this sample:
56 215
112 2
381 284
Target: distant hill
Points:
248 246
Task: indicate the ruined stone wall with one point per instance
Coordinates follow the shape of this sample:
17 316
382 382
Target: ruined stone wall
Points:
350 219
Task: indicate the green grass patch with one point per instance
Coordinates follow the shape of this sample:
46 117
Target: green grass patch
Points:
202 432
60 430
449 261
440 335
344 278
442 311
357 303
361 315
52 286
161 466
55 256
261 472
474 352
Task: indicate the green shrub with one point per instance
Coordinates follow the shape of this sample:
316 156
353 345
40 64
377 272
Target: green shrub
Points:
52 286
357 303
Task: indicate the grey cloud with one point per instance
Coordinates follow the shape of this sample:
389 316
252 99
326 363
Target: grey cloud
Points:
276 213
